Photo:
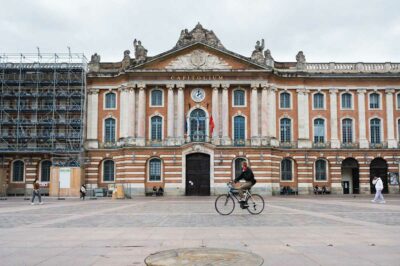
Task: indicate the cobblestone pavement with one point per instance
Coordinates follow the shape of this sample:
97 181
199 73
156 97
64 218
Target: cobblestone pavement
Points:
315 230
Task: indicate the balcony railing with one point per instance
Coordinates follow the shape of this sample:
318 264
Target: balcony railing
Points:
288 145
321 145
382 145
349 145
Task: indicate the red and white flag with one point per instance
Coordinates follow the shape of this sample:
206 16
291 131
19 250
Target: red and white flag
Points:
212 125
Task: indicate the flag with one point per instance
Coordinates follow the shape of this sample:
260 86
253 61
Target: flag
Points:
212 125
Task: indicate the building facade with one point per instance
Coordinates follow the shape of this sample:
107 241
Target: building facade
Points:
186 118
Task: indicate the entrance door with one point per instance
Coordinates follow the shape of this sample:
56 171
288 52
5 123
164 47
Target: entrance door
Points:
346 187
379 167
198 174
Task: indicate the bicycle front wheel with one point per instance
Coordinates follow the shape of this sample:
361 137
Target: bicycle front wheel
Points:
224 204
256 204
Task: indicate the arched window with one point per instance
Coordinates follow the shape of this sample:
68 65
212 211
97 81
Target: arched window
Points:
238 166
45 171
346 101
238 98
108 171
156 128
320 170
239 130
155 169
319 130
18 171
156 97
286 170
109 130
375 131
347 130
111 100
285 100
374 101
285 130
318 101
198 125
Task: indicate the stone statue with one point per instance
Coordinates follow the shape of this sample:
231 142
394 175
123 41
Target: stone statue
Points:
94 64
257 54
198 34
95 58
140 51
127 59
269 60
301 60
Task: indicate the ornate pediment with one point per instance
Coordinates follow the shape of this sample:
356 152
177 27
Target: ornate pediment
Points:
198 59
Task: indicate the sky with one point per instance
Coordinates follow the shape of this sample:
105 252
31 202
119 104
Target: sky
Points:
325 30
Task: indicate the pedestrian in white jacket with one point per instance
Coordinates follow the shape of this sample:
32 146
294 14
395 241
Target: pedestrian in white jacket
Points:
378 187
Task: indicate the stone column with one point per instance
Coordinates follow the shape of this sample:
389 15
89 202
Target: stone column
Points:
170 115
335 143
215 113
264 114
225 116
141 116
392 143
255 137
92 119
180 127
271 116
131 113
362 135
123 114
303 119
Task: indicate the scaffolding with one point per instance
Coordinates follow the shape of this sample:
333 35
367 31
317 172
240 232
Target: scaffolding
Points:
42 103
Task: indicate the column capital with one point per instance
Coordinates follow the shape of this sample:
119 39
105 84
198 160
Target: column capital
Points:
333 91
123 88
361 91
272 88
131 89
303 91
264 85
225 85
215 85
170 86
389 91
141 85
93 91
254 85
180 85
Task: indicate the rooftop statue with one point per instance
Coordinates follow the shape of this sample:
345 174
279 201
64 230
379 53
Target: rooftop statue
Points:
198 34
269 60
257 54
140 51
301 60
127 59
95 58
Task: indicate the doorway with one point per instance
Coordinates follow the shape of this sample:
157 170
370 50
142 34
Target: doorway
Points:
379 167
198 174
350 176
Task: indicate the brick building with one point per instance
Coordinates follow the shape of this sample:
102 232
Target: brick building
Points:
186 118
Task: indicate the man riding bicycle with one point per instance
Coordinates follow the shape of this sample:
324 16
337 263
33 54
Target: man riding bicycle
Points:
248 176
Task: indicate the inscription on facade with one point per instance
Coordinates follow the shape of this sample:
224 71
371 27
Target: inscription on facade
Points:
197 77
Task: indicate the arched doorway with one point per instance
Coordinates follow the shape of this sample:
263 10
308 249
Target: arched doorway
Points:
198 174
379 167
197 123
350 176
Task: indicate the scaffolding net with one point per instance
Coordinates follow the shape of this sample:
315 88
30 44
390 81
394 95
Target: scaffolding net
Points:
42 103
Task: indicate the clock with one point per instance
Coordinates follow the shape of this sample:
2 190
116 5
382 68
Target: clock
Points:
198 94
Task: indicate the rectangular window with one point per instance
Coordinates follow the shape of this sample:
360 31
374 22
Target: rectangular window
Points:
374 101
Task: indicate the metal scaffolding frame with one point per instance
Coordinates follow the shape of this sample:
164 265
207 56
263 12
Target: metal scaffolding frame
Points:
42 103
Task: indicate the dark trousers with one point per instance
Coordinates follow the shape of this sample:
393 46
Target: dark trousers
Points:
35 193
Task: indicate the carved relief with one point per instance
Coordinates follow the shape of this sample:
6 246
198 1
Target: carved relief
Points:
198 59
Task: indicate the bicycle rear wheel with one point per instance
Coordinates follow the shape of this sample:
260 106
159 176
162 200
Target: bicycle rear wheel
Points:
224 204
256 204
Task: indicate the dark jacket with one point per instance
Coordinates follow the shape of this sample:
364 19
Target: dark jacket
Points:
247 176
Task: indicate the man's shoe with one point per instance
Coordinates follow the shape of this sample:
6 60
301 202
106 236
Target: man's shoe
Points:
382 202
373 201
32 203
41 203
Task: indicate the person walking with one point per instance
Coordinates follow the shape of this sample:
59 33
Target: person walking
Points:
83 192
377 181
36 192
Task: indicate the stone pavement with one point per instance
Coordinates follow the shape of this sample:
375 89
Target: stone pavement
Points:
314 230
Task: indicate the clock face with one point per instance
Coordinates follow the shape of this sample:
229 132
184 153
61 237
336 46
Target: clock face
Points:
198 94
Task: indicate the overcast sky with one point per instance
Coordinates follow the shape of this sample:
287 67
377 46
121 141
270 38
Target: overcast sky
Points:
326 30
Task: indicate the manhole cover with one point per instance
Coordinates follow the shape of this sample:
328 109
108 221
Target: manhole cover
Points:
203 256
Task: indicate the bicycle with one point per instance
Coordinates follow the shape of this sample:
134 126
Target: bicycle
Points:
225 203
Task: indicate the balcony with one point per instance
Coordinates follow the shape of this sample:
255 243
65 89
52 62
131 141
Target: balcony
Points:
321 145
381 145
350 145
288 145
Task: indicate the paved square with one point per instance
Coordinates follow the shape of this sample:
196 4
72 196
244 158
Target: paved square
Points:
320 230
